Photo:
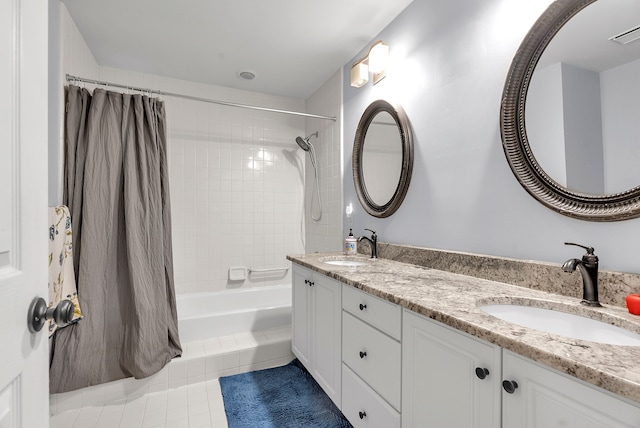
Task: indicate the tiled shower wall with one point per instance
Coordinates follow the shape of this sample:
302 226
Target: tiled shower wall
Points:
237 189
325 234
236 175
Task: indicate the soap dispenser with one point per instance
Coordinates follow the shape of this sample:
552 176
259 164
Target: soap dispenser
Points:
350 245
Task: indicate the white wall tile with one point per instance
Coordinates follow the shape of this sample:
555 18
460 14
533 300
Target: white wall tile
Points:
326 234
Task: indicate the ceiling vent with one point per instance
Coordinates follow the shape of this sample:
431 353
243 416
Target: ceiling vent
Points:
248 74
627 36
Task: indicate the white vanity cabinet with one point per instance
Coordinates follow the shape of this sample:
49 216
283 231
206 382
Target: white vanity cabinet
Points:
449 378
547 398
384 366
442 386
316 338
371 357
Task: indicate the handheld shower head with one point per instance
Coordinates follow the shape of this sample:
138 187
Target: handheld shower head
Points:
303 143
308 147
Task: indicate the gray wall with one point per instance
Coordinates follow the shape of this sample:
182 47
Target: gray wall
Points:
621 125
448 70
583 129
545 121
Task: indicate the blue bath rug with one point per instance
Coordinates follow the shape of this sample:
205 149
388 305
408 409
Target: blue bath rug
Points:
281 397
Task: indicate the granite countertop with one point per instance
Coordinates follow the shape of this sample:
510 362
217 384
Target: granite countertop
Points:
453 299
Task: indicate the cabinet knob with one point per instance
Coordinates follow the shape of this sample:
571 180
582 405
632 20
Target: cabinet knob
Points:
362 415
363 354
363 307
311 283
510 386
482 372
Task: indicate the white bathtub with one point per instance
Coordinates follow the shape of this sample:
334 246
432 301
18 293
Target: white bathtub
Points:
206 315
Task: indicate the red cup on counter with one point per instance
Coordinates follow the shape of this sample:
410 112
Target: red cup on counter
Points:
633 303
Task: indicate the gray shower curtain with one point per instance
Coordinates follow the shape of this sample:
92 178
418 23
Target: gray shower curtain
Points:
116 187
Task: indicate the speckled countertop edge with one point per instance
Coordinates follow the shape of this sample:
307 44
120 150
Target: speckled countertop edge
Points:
453 300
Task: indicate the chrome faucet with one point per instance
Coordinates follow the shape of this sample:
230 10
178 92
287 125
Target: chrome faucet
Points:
373 243
588 267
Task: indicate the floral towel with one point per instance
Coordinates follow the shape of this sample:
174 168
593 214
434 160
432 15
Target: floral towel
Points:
62 282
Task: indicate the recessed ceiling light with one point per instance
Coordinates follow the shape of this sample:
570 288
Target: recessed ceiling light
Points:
246 74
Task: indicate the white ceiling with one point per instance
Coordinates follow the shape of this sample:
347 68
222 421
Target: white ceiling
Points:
293 46
584 40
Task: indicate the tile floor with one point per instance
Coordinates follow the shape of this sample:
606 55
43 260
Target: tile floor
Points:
192 406
185 394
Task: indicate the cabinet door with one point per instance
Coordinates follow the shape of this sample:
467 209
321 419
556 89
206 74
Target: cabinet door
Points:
546 398
440 387
301 313
327 327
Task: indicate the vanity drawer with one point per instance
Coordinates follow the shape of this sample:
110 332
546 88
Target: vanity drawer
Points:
383 315
373 356
362 406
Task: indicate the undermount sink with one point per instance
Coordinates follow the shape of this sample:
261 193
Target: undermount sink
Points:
350 263
563 323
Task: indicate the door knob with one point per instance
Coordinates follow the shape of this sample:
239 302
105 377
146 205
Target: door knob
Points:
38 313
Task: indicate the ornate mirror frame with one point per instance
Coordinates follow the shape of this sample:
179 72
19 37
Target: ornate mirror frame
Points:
406 139
611 207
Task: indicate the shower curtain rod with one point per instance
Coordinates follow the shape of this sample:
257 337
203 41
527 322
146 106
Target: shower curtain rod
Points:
71 78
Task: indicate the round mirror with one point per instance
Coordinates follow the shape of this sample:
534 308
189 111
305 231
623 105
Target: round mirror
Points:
569 111
382 158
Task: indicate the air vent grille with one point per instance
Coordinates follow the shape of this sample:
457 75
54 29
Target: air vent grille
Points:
627 36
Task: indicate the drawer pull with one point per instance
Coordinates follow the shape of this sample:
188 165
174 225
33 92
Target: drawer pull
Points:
309 283
363 354
362 415
481 372
510 386
363 307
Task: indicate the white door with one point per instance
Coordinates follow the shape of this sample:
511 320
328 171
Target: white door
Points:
24 375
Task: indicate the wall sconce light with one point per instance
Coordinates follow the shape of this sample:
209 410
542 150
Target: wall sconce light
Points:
359 74
375 62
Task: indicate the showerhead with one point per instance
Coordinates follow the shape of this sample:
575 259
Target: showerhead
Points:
304 142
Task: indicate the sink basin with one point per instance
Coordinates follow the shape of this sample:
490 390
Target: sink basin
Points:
351 263
563 324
